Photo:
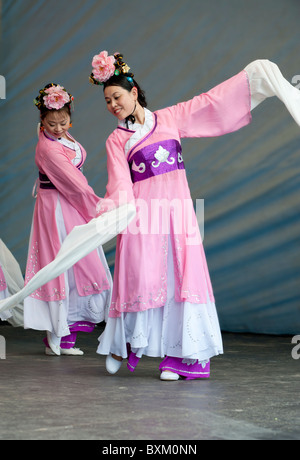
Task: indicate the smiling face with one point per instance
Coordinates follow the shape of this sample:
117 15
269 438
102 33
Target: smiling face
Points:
120 102
57 123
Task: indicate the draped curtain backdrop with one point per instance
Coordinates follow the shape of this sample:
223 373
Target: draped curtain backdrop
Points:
249 180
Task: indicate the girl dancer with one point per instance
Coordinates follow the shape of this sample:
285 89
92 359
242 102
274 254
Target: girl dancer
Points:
76 300
163 303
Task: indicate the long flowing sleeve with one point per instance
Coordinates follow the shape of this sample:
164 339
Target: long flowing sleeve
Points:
119 189
70 182
266 80
223 109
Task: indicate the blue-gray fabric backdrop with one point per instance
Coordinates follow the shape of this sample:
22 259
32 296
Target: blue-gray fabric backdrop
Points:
249 180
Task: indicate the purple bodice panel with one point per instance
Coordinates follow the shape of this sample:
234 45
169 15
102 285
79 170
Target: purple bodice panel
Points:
155 159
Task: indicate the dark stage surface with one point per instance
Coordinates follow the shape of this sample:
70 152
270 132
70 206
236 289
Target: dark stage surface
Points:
253 394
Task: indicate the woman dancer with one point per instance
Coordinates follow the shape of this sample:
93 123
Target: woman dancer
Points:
163 303
76 300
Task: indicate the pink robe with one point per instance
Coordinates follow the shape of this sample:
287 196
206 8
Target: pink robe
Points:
79 204
140 279
3 285
3 295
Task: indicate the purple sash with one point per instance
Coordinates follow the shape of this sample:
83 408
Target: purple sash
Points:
155 159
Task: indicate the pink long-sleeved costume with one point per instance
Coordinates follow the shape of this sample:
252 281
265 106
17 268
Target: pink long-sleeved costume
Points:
78 203
140 281
163 302
3 285
64 200
3 293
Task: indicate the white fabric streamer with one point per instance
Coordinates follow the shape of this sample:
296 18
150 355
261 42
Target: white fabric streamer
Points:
82 240
266 80
14 281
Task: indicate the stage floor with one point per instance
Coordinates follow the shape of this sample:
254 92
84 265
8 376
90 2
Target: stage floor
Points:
253 394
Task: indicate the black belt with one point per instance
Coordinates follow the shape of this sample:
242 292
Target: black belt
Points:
45 182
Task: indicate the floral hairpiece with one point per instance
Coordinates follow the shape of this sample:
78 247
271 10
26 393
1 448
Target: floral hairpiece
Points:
104 67
53 97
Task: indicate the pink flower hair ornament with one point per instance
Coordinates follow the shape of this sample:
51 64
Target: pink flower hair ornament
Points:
105 66
53 97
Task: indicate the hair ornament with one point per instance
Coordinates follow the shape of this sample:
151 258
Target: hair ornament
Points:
105 66
53 96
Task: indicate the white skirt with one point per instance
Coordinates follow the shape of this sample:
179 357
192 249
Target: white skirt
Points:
57 316
178 329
